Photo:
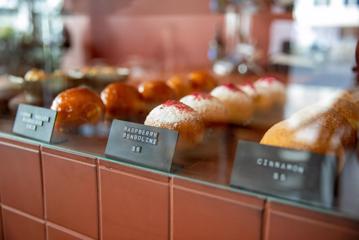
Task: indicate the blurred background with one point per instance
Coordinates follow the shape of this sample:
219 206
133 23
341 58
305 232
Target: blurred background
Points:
291 36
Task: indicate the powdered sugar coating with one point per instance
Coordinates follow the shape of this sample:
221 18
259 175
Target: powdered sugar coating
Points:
224 93
210 108
171 113
200 96
269 85
308 114
239 105
249 89
180 106
174 115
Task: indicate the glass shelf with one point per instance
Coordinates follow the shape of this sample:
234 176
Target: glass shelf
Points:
211 162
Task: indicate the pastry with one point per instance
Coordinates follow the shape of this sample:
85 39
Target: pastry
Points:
77 106
179 85
35 75
201 81
210 108
177 116
34 82
122 101
269 91
154 92
249 89
347 105
320 128
239 105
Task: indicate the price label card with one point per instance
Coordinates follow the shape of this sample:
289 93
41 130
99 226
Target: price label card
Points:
286 173
35 122
144 145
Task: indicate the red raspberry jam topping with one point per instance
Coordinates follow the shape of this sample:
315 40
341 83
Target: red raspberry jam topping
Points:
268 79
201 96
180 106
248 84
232 87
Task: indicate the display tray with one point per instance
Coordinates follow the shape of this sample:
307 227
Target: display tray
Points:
212 161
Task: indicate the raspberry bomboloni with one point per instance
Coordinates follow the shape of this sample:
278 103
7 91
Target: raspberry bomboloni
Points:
238 104
77 106
177 116
269 91
210 108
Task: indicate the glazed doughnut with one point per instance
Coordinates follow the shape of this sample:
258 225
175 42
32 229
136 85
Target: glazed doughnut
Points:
77 106
122 101
155 92
201 81
179 85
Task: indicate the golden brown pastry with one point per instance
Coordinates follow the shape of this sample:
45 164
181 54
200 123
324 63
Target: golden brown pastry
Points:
348 106
33 87
177 116
77 106
320 128
202 81
121 100
35 75
179 85
155 92
239 106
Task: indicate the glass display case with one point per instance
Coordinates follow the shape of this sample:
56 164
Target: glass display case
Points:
222 74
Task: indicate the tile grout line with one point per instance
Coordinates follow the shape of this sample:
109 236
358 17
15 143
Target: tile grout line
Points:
43 191
171 218
23 214
265 220
2 222
68 231
99 199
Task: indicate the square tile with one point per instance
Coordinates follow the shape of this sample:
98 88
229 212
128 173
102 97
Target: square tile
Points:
289 222
201 212
20 226
71 195
133 206
20 177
